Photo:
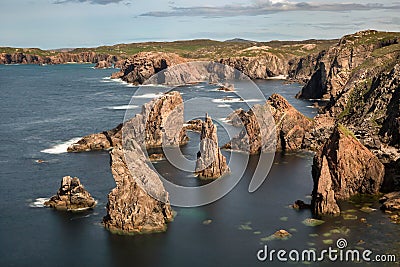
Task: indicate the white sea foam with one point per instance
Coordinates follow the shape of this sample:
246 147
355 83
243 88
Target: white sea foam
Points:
234 100
39 202
62 147
147 96
224 106
224 120
279 77
123 107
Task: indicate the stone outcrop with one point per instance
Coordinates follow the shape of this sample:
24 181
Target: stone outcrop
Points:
71 196
343 168
98 141
103 64
257 133
57 58
194 125
160 122
291 125
142 66
261 67
210 162
139 202
391 201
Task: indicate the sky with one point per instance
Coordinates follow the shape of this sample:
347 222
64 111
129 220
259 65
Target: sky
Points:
49 24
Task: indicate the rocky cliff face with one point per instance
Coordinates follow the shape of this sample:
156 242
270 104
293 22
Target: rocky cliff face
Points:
262 67
335 68
71 196
343 168
291 125
160 122
142 66
210 162
374 111
257 133
60 58
359 76
139 202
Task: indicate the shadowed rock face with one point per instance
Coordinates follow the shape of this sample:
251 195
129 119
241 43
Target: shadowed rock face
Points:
291 125
343 168
130 208
71 196
160 121
142 66
210 161
258 128
333 69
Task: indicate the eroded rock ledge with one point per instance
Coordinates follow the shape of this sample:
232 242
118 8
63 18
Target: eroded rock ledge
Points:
342 168
139 202
260 122
160 122
71 196
210 163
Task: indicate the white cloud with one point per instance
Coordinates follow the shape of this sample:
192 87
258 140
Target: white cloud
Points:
262 7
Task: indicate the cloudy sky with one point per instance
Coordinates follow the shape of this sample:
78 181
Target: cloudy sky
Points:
87 23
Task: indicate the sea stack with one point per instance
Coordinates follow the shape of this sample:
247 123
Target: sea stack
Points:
139 202
159 123
342 168
71 196
291 125
211 164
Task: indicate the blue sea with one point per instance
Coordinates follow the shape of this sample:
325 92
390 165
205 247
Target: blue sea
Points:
45 108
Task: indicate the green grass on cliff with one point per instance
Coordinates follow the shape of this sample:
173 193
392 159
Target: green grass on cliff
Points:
199 49
31 51
346 131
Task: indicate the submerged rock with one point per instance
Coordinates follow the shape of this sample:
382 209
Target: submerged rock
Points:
139 202
391 201
160 122
300 205
71 196
210 162
342 168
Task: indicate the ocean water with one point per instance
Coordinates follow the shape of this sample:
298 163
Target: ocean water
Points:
44 108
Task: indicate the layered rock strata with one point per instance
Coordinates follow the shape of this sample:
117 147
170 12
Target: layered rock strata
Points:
342 168
159 123
139 202
210 162
71 196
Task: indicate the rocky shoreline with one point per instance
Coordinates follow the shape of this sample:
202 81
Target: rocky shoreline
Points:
356 136
102 60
